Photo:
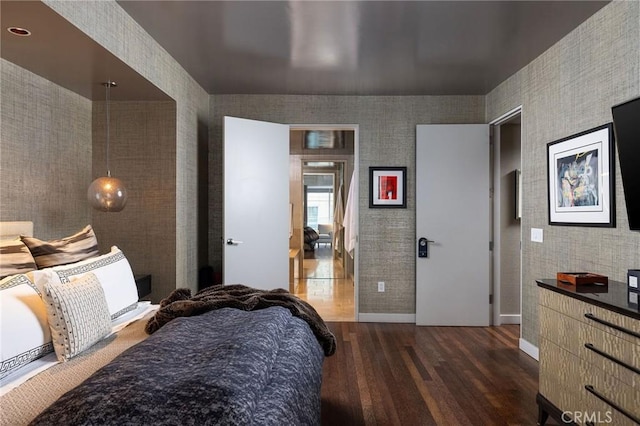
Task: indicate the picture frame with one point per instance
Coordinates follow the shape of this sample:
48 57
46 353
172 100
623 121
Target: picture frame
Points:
388 187
580 178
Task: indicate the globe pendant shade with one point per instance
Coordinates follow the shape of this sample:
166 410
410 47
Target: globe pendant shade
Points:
107 194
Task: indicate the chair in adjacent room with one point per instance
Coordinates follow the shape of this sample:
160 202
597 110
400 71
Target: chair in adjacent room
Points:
325 233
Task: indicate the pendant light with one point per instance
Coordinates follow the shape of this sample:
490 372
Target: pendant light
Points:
107 193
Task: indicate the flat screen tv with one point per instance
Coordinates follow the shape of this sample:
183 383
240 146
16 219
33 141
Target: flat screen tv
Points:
626 121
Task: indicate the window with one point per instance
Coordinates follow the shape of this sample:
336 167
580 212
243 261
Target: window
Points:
319 208
319 199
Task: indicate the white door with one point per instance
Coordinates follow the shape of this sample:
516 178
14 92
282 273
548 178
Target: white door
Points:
452 211
256 203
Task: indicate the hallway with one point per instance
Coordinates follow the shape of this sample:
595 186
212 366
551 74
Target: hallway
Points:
324 286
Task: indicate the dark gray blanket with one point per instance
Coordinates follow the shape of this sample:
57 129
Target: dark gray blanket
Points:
224 367
180 303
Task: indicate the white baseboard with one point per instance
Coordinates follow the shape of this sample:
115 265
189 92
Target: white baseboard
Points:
401 318
529 349
510 319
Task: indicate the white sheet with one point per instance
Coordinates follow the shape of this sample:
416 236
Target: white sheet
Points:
23 374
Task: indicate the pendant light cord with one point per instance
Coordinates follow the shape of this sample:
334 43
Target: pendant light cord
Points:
108 87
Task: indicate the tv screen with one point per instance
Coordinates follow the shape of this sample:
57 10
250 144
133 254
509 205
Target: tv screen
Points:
626 122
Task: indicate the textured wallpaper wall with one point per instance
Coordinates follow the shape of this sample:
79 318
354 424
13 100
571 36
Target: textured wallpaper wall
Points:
143 156
45 153
109 25
387 138
568 89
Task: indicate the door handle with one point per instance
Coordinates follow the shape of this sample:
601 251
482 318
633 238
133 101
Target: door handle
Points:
232 242
423 247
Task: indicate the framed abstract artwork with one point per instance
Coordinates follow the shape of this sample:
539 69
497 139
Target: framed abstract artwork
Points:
388 187
581 179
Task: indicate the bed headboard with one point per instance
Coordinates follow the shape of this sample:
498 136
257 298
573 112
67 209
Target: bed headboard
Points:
11 230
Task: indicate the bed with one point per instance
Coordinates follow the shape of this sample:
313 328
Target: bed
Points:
226 355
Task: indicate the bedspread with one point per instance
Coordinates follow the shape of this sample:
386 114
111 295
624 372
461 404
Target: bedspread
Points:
180 303
226 366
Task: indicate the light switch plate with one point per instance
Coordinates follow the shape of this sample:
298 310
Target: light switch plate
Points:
536 235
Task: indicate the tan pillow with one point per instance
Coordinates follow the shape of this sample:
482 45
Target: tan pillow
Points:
15 258
78 315
74 248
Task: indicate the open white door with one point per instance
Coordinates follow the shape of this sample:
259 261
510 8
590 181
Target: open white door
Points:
256 203
452 213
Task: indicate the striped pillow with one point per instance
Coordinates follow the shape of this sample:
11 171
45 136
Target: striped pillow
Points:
74 248
78 315
15 258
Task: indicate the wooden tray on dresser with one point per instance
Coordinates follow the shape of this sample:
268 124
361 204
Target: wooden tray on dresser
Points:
582 278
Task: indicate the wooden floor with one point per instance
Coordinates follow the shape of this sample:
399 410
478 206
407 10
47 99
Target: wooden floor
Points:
325 286
401 374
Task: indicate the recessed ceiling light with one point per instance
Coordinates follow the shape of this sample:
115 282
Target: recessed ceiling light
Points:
22 32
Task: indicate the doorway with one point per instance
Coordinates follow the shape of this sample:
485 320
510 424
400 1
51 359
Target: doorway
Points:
506 223
322 161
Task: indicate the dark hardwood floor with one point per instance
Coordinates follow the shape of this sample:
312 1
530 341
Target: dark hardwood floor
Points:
400 374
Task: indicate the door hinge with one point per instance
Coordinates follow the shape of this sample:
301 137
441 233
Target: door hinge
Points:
490 245
491 299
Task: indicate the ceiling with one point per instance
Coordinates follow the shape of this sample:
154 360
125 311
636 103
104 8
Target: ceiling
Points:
303 47
356 47
61 53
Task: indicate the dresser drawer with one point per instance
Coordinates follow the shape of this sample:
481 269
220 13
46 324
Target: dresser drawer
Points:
593 315
621 396
611 354
560 381
561 330
621 326
599 413
569 306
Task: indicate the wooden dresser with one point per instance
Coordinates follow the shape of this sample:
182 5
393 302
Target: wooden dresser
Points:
589 354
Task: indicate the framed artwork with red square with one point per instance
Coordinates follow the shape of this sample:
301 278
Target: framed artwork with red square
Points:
388 187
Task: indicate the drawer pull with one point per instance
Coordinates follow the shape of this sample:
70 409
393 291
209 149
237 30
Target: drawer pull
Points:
612 325
606 400
611 358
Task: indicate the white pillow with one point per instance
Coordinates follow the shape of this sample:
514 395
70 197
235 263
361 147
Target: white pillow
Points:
112 270
24 331
78 314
